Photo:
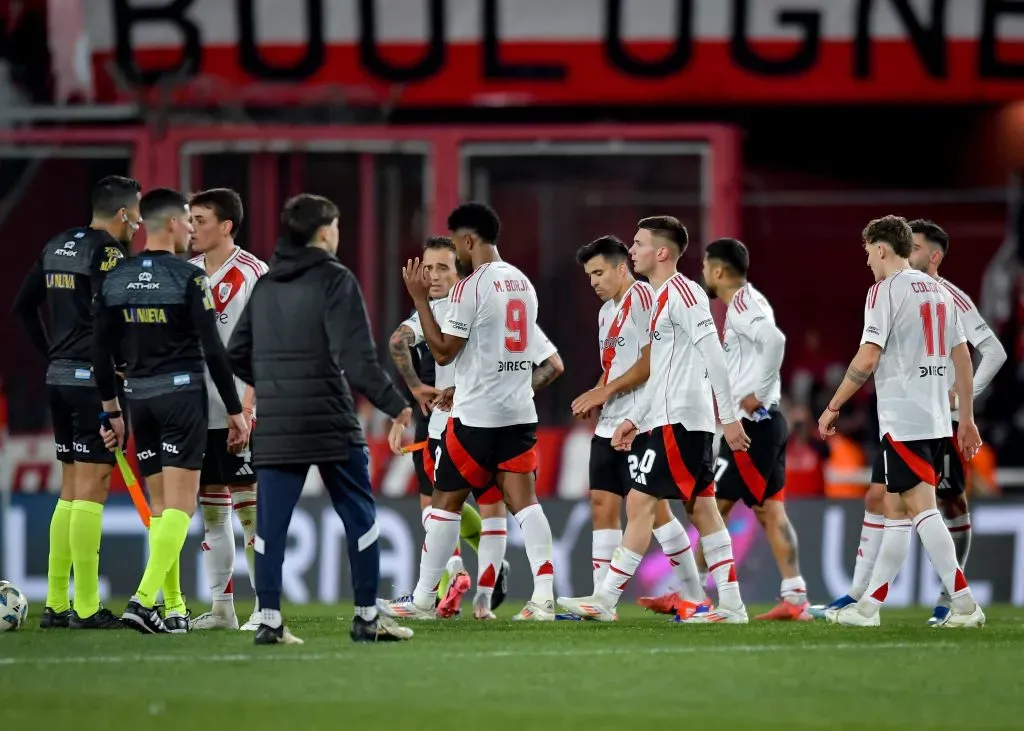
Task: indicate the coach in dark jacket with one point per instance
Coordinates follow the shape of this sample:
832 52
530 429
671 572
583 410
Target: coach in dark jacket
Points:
302 339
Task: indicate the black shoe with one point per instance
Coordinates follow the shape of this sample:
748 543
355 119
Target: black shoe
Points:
500 586
141 619
381 629
177 624
54 620
267 635
102 619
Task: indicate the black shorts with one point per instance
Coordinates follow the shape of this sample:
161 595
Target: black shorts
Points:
423 462
953 482
609 468
220 467
759 474
471 457
671 463
75 413
170 430
902 466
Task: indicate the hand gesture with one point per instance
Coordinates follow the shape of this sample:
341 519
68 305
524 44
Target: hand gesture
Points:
444 400
735 437
425 396
395 436
238 433
416 280
969 439
625 433
750 403
587 402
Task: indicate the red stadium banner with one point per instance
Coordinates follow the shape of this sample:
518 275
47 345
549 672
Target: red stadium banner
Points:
417 53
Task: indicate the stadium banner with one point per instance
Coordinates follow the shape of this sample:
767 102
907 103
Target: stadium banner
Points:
520 52
316 565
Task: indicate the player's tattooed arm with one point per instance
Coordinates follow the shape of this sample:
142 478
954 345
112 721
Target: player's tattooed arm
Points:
547 372
860 370
857 376
400 347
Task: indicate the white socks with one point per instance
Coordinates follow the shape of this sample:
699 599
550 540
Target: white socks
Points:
604 543
489 554
794 590
892 552
623 565
718 554
244 504
539 550
938 544
438 546
218 550
870 543
676 546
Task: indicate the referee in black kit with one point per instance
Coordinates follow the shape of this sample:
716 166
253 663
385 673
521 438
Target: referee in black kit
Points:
156 309
302 338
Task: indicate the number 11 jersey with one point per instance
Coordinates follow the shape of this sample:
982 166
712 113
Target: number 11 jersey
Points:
495 309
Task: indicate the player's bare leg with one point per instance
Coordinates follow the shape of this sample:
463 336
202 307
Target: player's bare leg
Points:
521 498
957 516
782 539
915 509
675 543
717 548
218 551
491 564
57 612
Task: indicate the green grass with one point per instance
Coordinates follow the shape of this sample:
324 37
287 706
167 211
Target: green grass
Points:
565 675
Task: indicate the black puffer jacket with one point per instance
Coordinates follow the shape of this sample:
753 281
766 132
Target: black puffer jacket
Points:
303 332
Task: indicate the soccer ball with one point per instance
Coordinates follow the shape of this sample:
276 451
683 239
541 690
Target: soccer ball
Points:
13 607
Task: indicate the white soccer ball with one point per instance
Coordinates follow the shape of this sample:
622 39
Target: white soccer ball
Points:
13 607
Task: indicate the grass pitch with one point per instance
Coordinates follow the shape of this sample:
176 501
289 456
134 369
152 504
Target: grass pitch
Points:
640 673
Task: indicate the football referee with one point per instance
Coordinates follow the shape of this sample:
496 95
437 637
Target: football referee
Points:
156 309
302 339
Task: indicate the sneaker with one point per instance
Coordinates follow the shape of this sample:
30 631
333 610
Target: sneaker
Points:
267 635
939 615
54 620
568 617
379 629
253 622
720 615
482 609
957 620
177 623
212 620
588 607
102 619
501 585
687 609
404 608
664 604
818 611
850 616
450 605
143 619
535 612
788 611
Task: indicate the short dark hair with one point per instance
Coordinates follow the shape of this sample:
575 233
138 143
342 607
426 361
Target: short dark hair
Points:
932 233
667 227
892 230
479 218
304 214
610 247
225 203
112 194
730 252
160 201
439 242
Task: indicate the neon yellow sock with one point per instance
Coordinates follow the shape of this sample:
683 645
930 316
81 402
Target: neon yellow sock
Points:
166 537
174 601
58 572
85 533
469 529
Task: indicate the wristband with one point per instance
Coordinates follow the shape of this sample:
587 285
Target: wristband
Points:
112 414
828 407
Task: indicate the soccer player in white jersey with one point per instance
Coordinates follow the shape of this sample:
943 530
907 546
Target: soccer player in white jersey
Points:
912 330
227 482
624 348
931 244
490 333
675 459
754 347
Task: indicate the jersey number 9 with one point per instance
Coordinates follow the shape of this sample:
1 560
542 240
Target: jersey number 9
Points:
516 327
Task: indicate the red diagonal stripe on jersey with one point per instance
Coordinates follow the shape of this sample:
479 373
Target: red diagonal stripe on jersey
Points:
958 296
662 301
916 463
684 291
873 295
225 290
646 294
680 475
753 479
741 306
608 353
468 467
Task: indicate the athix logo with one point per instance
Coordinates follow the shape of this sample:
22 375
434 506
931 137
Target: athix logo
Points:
145 282
68 250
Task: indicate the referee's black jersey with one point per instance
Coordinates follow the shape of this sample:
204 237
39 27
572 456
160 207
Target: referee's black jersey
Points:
157 307
66 277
